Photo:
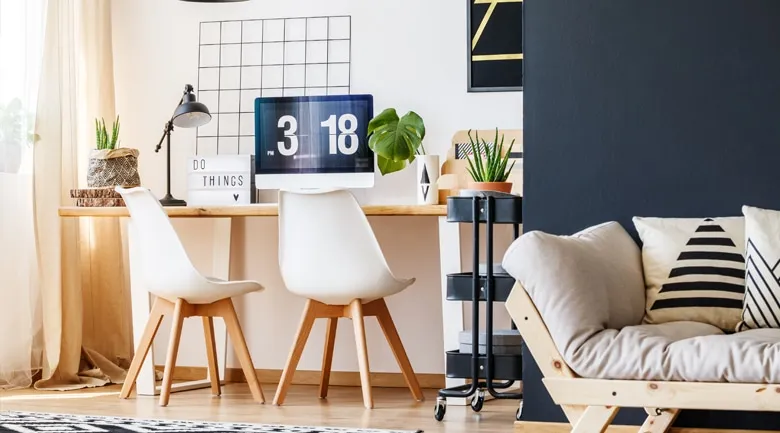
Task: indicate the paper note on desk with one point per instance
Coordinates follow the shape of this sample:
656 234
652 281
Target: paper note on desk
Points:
220 180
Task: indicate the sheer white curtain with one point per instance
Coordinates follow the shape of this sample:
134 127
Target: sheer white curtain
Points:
83 261
56 77
21 42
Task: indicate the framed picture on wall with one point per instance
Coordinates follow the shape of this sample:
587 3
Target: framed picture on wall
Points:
495 46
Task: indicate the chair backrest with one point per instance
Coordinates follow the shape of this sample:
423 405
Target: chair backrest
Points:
326 244
167 270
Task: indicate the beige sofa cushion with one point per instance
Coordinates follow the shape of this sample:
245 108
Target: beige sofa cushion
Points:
694 269
762 285
581 284
680 351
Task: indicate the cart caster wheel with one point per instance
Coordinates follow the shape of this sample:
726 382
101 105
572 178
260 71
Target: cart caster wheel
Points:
519 412
478 401
440 409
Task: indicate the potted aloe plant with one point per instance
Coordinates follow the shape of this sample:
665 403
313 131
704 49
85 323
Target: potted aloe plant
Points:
489 172
398 142
109 164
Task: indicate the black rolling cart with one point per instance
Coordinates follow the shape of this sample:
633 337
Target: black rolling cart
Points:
489 371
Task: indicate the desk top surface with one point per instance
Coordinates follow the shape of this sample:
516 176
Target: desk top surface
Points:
249 211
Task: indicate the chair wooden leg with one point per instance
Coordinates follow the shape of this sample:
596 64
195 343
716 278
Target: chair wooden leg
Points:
659 423
152 325
356 311
391 334
211 354
242 352
304 328
327 355
595 419
173 350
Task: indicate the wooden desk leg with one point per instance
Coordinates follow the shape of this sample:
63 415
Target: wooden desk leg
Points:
452 312
142 303
221 269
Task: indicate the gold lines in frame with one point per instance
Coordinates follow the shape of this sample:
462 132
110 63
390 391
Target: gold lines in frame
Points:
481 29
484 22
489 57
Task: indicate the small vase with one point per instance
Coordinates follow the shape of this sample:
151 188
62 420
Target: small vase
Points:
492 186
427 179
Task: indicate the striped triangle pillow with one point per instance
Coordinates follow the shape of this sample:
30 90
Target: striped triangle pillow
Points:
694 269
762 261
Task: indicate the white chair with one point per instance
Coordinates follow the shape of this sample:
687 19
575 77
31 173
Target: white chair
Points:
181 291
329 255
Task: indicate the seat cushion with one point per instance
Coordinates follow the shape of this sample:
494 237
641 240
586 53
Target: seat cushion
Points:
680 351
581 284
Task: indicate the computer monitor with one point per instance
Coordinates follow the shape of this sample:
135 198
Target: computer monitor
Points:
313 142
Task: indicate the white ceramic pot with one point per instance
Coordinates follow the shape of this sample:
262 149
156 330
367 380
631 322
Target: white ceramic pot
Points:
428 170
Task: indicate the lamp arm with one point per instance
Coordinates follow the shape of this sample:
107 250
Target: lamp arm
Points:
166 132
169 126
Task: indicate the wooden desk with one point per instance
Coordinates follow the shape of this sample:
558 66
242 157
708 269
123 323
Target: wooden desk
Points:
449 257
249 211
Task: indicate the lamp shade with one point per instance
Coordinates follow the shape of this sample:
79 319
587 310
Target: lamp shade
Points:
214 1
191 113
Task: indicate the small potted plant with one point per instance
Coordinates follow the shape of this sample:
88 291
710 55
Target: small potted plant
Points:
491 171
109 165
397 142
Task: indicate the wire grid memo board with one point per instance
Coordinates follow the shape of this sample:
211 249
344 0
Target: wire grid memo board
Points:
244 59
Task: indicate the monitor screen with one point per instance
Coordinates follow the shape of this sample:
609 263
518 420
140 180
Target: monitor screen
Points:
312 135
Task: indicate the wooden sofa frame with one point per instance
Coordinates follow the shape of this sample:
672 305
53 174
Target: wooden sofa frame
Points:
590 405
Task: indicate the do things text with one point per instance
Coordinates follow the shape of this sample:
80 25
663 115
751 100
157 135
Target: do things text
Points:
220 179
224 180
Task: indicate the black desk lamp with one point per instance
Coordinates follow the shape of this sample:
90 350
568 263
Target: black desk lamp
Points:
189 114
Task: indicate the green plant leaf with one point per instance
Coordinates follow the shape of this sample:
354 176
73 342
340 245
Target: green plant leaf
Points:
396 139
387 166
492 167
114 133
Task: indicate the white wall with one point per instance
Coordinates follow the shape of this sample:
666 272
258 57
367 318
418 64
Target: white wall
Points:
409 54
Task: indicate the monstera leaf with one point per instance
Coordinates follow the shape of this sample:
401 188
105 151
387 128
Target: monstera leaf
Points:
395 140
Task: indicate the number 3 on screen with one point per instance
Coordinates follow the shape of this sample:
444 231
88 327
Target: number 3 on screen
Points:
289 133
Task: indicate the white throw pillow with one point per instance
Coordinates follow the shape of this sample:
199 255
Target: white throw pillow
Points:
694 269
762 289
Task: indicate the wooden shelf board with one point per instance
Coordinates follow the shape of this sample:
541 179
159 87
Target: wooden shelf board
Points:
248 211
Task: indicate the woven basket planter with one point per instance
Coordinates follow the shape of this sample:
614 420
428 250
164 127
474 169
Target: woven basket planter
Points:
111 168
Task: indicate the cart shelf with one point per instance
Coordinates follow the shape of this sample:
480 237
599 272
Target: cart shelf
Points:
506 210
505 367
460 287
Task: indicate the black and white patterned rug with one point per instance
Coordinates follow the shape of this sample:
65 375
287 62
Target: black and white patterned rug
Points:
26 422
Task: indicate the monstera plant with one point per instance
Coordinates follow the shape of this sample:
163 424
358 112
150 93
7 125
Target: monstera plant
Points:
396 141
13 137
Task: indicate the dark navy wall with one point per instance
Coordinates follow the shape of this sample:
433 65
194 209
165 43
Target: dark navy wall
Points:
653 108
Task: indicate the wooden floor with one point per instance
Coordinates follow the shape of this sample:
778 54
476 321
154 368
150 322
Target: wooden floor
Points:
394 408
